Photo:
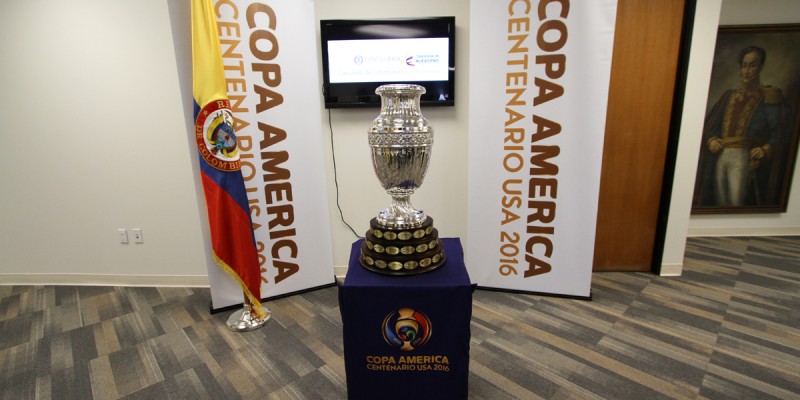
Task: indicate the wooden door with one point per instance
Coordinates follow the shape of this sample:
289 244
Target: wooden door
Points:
643 75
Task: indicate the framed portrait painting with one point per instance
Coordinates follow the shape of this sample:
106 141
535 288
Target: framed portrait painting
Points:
750 135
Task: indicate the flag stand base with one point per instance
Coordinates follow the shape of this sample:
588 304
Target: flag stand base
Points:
246 320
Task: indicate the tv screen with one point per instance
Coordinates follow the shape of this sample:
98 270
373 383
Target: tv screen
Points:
360 55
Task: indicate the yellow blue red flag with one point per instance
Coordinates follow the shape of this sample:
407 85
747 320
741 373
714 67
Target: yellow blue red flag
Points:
232 236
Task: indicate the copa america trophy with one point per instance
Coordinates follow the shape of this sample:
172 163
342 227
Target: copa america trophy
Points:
401 239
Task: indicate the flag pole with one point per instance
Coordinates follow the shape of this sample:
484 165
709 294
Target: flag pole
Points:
232 240
246 319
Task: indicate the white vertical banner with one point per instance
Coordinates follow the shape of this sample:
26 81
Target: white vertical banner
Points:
269 54
539 77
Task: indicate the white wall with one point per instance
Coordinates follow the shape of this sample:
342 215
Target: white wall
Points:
95 139
443 193
747 12
709 15
697 80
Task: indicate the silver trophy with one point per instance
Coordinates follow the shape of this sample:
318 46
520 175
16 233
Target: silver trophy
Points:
401 239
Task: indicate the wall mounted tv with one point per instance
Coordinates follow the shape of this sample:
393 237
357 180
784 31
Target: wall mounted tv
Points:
360 55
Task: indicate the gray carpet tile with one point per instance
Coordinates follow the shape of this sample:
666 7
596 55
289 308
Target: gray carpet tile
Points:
728 328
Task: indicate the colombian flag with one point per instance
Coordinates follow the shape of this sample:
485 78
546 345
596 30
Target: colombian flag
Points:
232 236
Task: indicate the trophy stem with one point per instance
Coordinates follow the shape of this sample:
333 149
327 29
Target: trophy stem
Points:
402 203
401 214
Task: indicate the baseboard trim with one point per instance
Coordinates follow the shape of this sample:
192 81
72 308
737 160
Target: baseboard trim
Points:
671 270
103 280
748 231
339 271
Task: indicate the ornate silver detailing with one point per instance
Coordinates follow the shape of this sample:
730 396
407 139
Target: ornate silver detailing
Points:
400 139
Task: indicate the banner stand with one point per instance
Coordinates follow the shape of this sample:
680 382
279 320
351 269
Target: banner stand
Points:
539 81
562 296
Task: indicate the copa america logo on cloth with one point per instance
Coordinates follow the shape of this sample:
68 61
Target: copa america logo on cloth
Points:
407 328
215 137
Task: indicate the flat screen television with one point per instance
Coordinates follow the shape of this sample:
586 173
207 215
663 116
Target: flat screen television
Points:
360 55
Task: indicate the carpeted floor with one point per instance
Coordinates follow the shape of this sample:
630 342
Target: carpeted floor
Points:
729 328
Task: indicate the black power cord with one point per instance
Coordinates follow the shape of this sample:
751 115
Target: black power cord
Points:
336 180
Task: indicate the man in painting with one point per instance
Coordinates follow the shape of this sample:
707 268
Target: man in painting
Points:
740 137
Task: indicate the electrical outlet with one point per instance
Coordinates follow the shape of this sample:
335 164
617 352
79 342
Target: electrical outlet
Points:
123 235
137 235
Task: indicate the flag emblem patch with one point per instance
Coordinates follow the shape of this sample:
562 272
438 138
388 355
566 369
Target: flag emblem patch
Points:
216 139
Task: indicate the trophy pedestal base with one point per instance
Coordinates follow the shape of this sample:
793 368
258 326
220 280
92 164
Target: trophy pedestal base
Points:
407 251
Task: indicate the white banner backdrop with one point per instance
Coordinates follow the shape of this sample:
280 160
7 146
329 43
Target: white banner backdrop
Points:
270 57
539 75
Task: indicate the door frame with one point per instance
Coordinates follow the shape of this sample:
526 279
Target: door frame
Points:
673 137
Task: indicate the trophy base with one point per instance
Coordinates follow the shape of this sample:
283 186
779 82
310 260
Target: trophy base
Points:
400 252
